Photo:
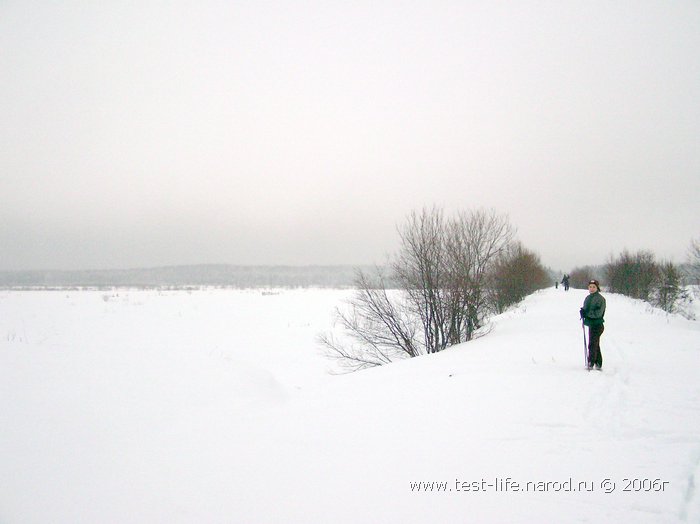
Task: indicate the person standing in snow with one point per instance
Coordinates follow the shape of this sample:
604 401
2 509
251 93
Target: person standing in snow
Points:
592 314
565 281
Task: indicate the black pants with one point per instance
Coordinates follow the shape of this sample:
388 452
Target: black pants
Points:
595 357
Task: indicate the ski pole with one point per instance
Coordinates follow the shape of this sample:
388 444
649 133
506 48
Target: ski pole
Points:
585 345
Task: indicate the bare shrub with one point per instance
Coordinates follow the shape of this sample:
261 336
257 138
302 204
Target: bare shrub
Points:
441 274
516 274
633 274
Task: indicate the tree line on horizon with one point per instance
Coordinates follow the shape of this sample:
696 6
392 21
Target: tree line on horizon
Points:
185 277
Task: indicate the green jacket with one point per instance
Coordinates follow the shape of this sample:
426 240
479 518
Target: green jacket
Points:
594 309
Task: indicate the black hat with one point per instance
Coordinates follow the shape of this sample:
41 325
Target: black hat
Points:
594 282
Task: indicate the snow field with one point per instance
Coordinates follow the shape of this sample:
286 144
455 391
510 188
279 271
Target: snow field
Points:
216 406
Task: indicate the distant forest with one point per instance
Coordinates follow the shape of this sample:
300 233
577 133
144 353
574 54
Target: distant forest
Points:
187 276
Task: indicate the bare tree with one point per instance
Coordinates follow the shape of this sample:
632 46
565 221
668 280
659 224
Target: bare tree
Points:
380 330
419 270
475 241
441 273
443 268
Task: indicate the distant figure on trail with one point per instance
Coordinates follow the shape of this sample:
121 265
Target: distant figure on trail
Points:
556 284
565 281
592 314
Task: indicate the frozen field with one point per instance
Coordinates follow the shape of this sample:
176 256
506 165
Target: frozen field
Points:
216 406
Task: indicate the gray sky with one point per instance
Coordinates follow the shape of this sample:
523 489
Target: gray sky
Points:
261 132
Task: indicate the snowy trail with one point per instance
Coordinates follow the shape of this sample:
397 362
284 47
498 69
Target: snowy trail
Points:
215 407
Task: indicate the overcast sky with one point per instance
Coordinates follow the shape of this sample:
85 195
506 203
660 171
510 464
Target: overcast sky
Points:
302 132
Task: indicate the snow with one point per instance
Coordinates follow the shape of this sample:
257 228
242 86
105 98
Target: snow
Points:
216 406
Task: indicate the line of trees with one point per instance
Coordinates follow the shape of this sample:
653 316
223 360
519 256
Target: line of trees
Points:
448 277
639 275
